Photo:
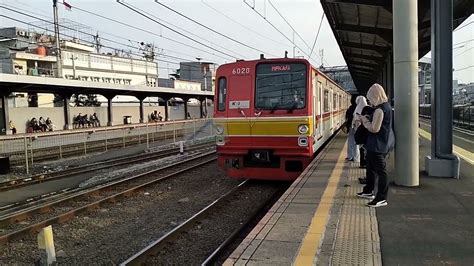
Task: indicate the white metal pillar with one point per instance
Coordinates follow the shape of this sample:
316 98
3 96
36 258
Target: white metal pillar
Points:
405 66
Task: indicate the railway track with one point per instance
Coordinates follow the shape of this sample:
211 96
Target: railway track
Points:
40 178
150 252
75 202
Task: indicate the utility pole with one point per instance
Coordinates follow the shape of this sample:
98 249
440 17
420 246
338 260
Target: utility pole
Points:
97 43
59 70
321 54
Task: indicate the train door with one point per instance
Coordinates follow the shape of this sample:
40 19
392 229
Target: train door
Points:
313 103
331 110
320 112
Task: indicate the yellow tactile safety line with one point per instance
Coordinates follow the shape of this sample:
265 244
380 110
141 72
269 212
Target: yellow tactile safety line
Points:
466 155
314 235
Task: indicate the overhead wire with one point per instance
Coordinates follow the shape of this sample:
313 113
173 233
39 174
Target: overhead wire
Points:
188 32
149 32
127 45
173 30
86 33
464 68
467 50
277 29
242 25
89 42
212 30
317 35
288 23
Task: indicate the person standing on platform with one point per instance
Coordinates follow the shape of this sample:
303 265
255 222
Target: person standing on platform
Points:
380 141
356 122
352 152
12 127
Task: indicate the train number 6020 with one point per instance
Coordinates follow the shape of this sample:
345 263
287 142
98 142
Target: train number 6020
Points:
241 71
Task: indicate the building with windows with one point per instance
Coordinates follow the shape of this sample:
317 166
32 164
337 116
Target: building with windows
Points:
24 52
202 72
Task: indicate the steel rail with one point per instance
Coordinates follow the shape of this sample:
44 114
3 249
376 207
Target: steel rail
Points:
153 248
40 178
71 214
217 252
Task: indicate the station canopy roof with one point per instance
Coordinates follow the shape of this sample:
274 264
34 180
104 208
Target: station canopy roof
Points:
363 30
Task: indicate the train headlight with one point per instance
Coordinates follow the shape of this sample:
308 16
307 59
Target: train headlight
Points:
219 130
303 129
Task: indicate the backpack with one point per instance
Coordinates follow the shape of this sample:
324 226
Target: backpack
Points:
362 133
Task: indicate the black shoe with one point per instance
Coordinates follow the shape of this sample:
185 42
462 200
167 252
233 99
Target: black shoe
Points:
377 203
364 195
363 180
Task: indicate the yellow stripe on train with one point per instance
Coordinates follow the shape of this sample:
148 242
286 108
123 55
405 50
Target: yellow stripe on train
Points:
275 126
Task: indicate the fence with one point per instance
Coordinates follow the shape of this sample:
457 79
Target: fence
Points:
30 149
463 115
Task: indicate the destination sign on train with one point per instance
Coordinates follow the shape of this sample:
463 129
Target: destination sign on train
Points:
281 68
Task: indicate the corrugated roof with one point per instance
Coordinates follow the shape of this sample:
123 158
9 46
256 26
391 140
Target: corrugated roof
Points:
363 30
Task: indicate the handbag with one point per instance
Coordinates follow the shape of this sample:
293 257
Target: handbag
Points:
361 135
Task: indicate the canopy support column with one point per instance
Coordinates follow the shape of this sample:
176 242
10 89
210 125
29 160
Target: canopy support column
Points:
405 66
442 162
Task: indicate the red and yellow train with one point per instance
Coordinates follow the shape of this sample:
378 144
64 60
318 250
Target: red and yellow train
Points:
271 115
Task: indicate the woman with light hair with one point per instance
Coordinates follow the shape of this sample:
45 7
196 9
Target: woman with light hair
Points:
380 141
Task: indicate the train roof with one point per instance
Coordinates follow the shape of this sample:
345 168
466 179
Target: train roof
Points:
303 60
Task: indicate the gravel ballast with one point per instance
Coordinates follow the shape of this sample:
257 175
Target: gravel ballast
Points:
194 246
117 230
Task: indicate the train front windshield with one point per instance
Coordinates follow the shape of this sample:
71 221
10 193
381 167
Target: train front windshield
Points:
280 86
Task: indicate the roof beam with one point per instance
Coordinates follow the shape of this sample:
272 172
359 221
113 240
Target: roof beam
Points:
383 33
377 59
362 71
379 49
385 4
352 62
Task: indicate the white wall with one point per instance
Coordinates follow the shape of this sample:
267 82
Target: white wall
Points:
21 115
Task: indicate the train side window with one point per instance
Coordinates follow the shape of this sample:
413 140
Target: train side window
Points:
222 94
334 101
326 101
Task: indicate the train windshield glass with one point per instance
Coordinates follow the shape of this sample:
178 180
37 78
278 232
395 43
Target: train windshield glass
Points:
280 86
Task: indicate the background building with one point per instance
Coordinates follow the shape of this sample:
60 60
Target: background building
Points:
342 76
203 72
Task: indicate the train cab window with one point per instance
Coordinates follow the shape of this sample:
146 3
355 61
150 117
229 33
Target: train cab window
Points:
326 101
281 86
222 89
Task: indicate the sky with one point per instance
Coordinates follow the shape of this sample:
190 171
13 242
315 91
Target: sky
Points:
253 35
